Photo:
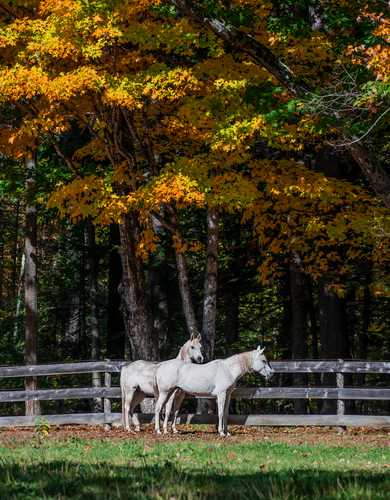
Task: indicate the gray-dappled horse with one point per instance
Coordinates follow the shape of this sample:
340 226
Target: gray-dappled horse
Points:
217 379
138 380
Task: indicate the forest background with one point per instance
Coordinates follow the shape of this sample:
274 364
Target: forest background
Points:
173 168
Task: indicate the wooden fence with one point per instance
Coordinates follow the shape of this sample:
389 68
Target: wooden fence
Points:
108 393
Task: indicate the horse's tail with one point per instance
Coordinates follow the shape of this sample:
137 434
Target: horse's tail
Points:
155 388
123 403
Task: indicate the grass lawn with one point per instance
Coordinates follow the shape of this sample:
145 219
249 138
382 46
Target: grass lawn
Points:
89 463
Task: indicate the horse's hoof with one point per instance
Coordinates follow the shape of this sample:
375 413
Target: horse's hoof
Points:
137 429
175 431
222 434
228 434
165 431
158 432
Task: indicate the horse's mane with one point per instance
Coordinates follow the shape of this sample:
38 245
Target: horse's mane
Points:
244 360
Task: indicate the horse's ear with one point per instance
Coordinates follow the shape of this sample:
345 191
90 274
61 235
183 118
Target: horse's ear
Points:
199 337
192 337
261 350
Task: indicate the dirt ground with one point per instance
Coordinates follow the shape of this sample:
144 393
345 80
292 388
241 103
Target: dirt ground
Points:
312 436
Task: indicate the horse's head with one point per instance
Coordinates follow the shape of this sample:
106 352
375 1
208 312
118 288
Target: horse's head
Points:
260 364
195 349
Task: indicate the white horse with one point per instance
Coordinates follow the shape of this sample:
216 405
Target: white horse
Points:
138 381
217 379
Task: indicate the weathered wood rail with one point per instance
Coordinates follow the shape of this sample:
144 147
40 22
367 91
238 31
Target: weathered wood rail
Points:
107 392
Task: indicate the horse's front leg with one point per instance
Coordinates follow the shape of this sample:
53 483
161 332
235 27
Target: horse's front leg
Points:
162 399
168 409
221 412
226 414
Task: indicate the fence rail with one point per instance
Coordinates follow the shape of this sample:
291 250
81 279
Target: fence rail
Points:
108 393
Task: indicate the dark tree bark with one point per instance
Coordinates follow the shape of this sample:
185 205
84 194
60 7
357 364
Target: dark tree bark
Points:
232 293
232 303
363 351
182 273
284 333
115 325
210 297
74 319
210 284
313 331
332 309
31 342
158 289
1 254
351 298
142 336
18 297
333 320
316 16
298 327
94 308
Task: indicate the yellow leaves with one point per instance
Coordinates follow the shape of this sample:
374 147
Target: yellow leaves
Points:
83 197
376 57
178 244
148 239
169 187
195 247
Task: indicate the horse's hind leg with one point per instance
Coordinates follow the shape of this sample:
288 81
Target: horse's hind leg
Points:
221 412
178 399
226 414
126 401
137 398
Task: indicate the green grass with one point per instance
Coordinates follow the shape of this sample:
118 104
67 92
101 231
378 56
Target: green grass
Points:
92 469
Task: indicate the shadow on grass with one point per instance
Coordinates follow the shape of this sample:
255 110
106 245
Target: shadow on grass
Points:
70 480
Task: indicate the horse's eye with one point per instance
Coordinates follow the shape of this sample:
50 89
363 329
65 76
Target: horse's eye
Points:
192 347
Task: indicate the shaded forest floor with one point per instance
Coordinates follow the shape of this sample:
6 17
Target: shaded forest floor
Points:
87 462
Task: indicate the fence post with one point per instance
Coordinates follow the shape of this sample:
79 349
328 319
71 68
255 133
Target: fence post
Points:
340 402
107 401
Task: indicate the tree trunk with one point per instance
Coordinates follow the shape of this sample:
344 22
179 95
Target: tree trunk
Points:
31 338
94 309
316 16
333 320
283 339
210 298
332 309
182 275
232 309
158 289
363 351
18 298
314 335
232 295
115 324
298 327
210 284
1 253
139 328
74 306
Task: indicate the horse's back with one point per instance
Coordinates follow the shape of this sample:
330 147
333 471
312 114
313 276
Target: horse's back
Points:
191 378
139 374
